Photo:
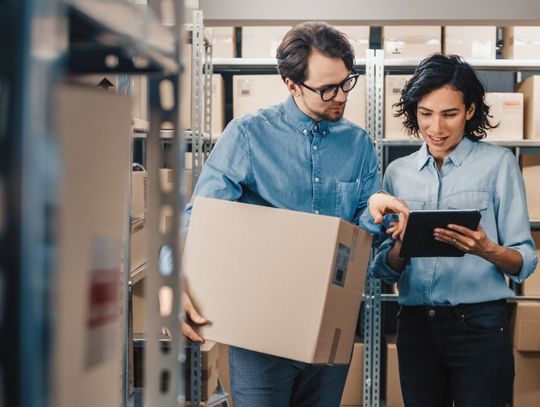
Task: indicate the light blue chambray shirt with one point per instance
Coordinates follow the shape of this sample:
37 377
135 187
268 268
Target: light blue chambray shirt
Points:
475 175
282 158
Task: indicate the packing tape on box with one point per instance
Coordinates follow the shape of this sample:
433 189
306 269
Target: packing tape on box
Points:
335 344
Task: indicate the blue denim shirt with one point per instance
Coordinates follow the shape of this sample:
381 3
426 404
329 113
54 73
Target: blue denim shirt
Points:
475 175
282 158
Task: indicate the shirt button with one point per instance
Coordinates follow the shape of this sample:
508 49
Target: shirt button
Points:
324 132
317 179
315 148
316 212
305 131
431 313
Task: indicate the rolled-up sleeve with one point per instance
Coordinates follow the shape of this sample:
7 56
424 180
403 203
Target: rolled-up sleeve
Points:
513 225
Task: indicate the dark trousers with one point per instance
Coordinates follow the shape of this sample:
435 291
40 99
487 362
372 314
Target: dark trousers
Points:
260 380
461 355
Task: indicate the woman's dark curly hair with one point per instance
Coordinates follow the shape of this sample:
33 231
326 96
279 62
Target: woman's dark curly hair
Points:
435 72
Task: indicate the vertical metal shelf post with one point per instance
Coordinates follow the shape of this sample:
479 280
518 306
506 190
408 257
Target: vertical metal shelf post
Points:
197 95
32 46
163 374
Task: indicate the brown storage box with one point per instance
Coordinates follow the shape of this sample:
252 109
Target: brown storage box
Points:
138 194
358 36
521 42
531 286
138 244
209 370
94 135
530 88
139 95
507 110
353 393
393 126
526 327
262 42
218 105
471 42
223 370
393 387
223 41
252 92
526 382
531 174
280 282
411 42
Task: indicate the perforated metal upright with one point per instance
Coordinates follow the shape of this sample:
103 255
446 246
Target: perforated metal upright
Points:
372 297
163 374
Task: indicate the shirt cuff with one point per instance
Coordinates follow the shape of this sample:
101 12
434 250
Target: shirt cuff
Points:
529 262
381 269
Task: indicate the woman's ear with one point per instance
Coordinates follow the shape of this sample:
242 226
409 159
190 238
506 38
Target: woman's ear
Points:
470 111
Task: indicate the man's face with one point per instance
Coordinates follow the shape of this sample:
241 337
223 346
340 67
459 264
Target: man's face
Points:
322 71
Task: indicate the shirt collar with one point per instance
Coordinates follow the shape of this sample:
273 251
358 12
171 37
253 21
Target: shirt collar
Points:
299 119
456 156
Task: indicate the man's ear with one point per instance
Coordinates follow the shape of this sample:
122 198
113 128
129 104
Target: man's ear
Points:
292 87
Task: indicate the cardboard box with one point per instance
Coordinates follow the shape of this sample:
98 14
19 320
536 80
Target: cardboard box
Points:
138 305
526 383
223 41
393 386
526 327
531 174
139 95
88 328
138 194
358 37
531 286
530 88
209 370
261 254
253 92
137 244
223 370
411 42
471 42
507 110
262 42
393 126
521 43
353 393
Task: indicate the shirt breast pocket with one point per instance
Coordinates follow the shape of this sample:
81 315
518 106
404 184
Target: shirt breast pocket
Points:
347 197
470 200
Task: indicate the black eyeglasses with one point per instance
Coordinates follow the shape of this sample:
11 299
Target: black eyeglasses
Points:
330 92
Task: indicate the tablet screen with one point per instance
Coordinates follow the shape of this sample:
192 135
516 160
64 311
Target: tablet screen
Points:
418 240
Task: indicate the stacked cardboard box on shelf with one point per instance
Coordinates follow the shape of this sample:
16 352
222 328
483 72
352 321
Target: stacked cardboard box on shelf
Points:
223 41
531 286
471 42
353 393
530 164
526 330
244 276
530 88
86 358
358 36
521 42
393 126
393 387
262 42
506 109
411 42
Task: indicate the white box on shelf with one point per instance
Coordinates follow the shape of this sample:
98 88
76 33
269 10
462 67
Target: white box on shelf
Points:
507 111
393 126
471 42
521 43
411 42
262 42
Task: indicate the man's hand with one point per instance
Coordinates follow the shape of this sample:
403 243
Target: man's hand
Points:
191 316
381 204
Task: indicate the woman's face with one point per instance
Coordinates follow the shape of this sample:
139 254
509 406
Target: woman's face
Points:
441 116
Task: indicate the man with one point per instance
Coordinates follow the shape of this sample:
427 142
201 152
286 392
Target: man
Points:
300 155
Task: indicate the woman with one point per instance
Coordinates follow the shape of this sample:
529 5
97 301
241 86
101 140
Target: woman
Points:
453 340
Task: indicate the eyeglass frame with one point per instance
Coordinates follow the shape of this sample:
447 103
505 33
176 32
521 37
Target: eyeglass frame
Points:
353 74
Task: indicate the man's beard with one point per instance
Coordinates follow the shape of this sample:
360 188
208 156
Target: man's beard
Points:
332 115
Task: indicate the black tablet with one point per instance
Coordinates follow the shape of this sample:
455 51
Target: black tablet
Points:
418 239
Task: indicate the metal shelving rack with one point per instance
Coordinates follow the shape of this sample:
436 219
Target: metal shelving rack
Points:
104 37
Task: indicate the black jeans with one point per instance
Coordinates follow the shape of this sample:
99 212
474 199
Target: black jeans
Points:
461 355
